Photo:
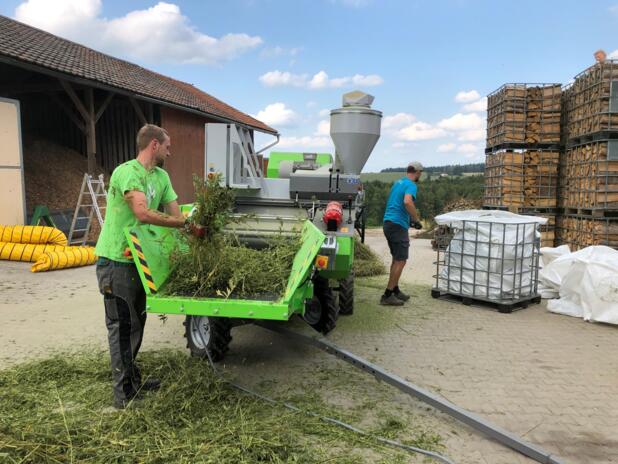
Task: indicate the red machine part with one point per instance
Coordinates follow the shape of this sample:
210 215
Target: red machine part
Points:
333 215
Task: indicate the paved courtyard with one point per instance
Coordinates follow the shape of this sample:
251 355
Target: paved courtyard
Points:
549 378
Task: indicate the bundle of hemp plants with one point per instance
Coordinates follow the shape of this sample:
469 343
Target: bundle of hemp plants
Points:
218 265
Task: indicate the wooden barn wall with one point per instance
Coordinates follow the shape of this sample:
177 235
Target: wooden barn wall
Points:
116 132
187 134
42 118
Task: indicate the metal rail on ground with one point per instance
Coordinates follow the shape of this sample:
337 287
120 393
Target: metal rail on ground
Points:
497 433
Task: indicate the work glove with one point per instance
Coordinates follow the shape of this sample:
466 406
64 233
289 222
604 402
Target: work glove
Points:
417 225
195 229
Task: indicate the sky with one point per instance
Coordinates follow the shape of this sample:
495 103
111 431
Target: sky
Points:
429 64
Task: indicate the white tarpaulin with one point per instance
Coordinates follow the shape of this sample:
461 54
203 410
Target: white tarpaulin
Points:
587 282
493 254
551 276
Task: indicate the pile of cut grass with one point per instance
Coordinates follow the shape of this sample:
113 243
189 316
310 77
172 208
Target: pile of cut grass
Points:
56 410
366 262
218 265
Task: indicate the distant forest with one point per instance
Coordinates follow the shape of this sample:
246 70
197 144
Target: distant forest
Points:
433 193
450 169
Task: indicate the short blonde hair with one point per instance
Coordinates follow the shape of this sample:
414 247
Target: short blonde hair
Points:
602 54
148 133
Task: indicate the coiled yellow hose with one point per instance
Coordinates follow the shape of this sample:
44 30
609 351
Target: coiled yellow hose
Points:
45 246
36 235
25 251
69 257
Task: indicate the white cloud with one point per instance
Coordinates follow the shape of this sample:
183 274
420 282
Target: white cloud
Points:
460 121
278 78
446 148
613 9
419 131
323 128
477 106
397 121
277 114
468 127
323 113
308 143
274 52
467 96
319 80
158 33
468 148
613 55
473 135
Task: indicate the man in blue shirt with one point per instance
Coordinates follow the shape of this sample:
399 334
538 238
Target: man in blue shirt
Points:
400 214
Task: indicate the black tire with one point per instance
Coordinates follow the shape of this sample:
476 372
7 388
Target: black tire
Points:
214 333
346 295
323 299
435 293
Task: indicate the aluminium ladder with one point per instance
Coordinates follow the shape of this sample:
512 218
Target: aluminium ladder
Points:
93 188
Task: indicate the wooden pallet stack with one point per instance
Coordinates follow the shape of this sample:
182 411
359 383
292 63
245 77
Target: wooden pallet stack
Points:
523 151
588 194
524 113
522 179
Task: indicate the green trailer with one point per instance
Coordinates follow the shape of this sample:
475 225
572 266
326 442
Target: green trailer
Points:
209 320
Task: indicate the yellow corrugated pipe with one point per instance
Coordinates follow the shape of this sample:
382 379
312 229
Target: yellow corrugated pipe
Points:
25 251
45 246
36 235
69 257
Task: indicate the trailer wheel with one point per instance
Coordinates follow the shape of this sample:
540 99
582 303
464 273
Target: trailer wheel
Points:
323 299
208 333
346 295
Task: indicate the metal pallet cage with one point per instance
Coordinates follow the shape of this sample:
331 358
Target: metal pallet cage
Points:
495 262
524 114
592 101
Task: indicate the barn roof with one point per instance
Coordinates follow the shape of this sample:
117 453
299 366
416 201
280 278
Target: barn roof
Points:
29 45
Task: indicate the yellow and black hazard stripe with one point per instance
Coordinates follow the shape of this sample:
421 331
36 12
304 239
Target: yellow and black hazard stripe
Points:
143 263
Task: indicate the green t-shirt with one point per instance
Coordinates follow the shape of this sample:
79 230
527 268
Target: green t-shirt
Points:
131 175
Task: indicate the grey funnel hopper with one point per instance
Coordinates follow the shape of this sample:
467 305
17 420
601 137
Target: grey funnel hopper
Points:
355 130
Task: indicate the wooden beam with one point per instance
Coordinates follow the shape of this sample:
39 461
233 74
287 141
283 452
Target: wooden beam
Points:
91 136
75 99
109 97
56 99
16 88
150 109
138 111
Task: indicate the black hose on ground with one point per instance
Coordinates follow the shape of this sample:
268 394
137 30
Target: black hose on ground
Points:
331 420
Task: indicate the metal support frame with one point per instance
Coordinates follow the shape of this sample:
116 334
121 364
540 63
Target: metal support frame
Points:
497 433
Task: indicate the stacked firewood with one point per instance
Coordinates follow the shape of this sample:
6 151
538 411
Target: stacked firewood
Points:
581 231
592 103
524 113
590 177
522 179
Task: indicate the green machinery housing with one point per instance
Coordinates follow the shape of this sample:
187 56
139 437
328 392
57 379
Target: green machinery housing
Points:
322 193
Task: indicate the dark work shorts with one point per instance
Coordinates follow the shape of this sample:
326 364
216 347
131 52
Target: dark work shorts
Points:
398 240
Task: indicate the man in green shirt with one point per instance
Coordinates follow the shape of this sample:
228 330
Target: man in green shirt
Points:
136 190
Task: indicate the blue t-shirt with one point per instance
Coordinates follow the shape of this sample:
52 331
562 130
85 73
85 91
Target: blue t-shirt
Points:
395 209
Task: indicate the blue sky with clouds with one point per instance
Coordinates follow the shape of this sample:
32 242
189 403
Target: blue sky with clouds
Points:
428 63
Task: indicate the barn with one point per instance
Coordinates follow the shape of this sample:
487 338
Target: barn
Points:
66 109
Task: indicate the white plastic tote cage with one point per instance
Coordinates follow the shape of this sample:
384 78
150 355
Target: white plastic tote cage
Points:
493 256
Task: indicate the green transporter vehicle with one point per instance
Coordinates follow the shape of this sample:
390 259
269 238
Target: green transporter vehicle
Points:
309 189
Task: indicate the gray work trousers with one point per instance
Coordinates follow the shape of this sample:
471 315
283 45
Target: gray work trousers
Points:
125 317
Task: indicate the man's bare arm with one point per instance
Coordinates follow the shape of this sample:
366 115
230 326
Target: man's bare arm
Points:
173 209
408 202
139 205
